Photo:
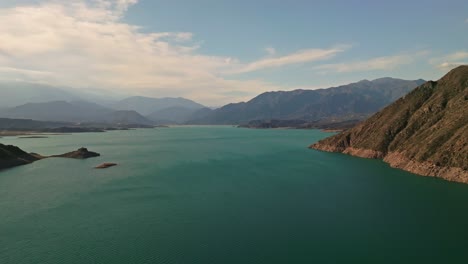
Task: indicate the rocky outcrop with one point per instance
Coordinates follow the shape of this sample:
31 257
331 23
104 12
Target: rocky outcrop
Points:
425 132
364 153
82 153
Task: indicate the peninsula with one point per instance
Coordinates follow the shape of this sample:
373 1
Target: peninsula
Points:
12 156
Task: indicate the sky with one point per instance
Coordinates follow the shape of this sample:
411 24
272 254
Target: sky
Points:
217 52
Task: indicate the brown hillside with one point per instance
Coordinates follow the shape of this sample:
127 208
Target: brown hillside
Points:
425 132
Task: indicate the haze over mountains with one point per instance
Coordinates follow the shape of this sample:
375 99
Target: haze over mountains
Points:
147 105
48 103
348 102
19 93
160 110
175 114
74 111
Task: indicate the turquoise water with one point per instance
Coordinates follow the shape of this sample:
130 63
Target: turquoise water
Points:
223 195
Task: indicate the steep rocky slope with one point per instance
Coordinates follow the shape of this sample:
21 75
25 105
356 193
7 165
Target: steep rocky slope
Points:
425 132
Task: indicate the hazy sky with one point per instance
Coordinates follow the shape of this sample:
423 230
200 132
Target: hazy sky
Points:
227 51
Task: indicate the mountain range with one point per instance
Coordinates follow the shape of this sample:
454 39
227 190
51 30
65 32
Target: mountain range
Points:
150 106
425 132
74 111
50 103
353 101
86 112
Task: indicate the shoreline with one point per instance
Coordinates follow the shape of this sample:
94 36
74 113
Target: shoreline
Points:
30 134
399 161
332 130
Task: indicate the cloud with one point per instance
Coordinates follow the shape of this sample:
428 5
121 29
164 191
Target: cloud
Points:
459 55
309 55
24 72
466 20
445 66
450 61
122 5
117 7
85 44
373 64
270 51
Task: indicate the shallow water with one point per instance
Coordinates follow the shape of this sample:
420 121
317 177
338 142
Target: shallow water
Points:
223 195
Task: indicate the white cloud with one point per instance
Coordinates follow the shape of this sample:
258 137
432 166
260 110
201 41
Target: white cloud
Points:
450 61
122 5
84 44
446 66
270 51
373 64
117 7
309 55
466 20
459 55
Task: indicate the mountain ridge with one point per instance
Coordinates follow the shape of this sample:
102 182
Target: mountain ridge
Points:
352 101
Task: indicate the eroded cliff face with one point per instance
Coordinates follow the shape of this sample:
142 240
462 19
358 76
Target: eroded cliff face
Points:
425 132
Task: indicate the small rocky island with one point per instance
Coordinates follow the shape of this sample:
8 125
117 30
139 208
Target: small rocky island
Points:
105 165
81 153
12 156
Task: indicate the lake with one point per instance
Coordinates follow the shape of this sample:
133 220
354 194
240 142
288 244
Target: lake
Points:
219 194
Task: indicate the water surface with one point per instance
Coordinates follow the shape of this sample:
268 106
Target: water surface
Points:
223 195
